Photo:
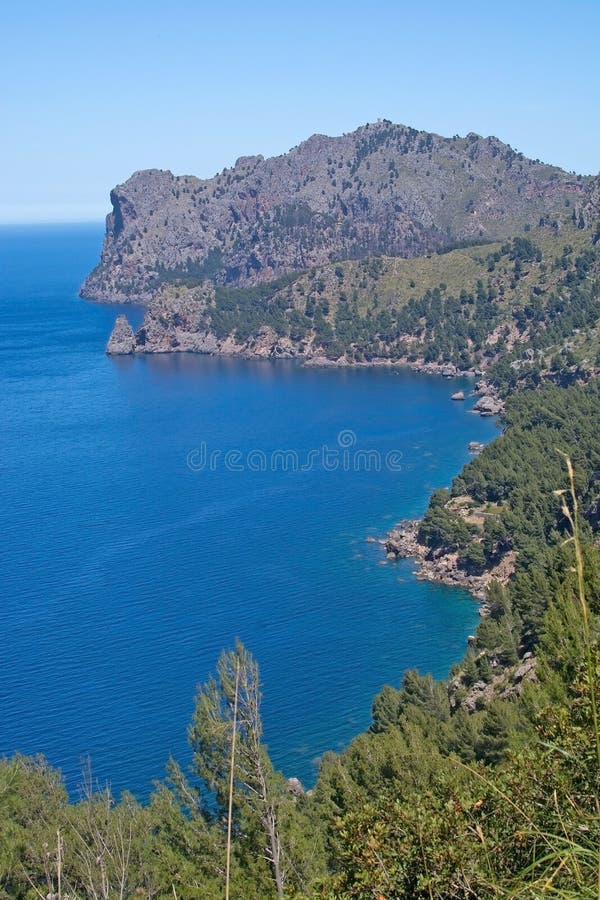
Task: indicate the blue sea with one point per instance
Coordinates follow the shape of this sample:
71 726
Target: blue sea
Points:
156 509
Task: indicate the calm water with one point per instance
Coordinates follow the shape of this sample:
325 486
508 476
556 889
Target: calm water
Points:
125 571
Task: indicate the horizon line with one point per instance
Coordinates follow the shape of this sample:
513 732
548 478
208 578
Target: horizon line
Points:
36 222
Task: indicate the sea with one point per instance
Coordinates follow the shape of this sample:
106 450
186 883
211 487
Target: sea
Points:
155 509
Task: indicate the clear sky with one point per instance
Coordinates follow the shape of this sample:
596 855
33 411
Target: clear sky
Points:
92 91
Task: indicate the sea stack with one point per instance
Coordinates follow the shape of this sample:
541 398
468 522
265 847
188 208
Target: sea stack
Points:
122 339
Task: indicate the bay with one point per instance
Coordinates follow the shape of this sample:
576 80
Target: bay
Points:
154 509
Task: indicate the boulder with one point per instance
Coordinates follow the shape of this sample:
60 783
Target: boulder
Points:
295 787
489 406
476 446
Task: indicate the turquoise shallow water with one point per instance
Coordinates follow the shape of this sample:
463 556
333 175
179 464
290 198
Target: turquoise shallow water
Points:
128 563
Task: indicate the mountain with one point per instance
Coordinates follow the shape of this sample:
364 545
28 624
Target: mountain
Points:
383 189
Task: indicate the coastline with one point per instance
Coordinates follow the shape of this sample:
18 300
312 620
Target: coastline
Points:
151 339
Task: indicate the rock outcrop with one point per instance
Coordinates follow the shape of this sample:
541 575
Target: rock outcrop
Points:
489 406
122 339
176 319
489 403
590 214
506 683
295 787
383 189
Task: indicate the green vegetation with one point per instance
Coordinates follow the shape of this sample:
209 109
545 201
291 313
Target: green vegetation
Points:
193 272
244 311
473 307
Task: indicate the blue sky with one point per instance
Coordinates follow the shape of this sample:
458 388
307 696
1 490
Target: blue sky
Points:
90 92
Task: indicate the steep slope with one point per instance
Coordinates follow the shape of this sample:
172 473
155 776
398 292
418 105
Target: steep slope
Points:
384 189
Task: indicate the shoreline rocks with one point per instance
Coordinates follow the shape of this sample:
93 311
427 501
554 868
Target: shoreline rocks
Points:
489 402
475 447
489 406
402 542
179 324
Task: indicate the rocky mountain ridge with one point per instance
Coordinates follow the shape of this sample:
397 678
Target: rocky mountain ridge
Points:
383 189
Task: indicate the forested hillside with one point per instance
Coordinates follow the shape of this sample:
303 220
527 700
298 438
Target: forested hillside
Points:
485 786
522 311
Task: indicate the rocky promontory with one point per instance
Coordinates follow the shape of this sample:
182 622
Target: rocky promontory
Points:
382 189
455 312
180 320
185 320
443 566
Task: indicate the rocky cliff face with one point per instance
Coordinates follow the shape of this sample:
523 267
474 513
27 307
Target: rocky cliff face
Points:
590 216
382 189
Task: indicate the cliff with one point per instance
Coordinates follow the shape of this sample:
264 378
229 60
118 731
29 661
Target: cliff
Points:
383 189
184 320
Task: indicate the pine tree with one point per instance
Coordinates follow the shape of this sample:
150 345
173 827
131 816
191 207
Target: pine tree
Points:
232 701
